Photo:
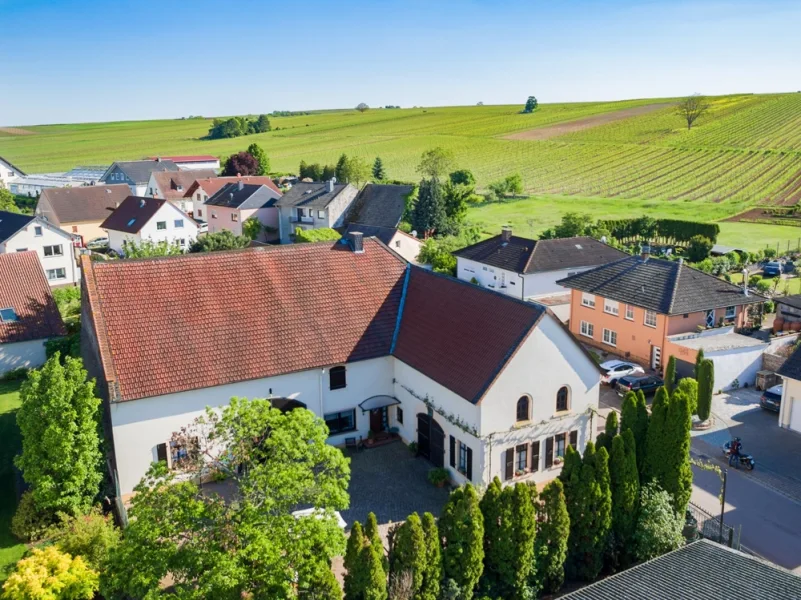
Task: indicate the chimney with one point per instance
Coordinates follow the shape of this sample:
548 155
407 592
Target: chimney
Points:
745 281
356 241
241 185
330 184
645 252
506 233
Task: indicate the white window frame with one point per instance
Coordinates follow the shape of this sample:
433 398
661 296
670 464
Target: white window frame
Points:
38 231
53 253
645 318
587 329
610 337
587 300
321 214
629 312
178 224
611 307
55 273
733 312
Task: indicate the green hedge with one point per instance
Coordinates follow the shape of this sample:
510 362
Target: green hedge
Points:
673 230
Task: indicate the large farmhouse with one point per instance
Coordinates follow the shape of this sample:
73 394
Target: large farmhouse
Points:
485 384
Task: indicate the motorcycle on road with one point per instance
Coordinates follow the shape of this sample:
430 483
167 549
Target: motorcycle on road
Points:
742 459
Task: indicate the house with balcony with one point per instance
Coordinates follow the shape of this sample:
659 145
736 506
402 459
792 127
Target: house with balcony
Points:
529 269
631 307
138 219
485 384
313 206
237 202
203 189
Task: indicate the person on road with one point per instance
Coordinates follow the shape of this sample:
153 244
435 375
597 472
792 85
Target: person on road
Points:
734 451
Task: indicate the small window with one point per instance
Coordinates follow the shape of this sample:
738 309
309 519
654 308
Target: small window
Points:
587 329
161 225
199 212
561 442
730 312
629 312
8 315
611 307
198 197
37 231
56 274
650 318
74 229
523 406
397 243
179 223
562 397
399 414
337 379
184 451
587 300
22 249
341 422
610 337
182 242
56 250
521 457
321 214
462 458
213 214
235 217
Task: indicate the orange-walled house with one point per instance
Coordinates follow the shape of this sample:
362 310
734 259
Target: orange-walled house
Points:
630 307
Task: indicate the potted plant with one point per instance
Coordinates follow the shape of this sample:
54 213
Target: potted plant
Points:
558 460
520 472
439 476
413 447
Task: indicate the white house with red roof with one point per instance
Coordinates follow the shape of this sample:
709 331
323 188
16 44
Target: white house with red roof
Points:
486 385
192 163
138 219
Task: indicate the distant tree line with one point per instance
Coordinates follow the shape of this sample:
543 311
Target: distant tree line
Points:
289 113
671 231
238 126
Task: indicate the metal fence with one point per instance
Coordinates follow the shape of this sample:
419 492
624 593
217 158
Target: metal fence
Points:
708 526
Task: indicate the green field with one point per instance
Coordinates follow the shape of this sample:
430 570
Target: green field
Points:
746 150
10 549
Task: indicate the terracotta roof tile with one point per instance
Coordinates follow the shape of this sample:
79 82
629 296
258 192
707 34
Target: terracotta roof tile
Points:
24 288
174 184
212 185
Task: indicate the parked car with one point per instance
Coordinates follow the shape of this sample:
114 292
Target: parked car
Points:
772 398
615 369
634 383
772 269
788 267
97 243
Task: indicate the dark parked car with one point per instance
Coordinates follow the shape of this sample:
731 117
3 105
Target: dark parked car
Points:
771 398
647 383
772 268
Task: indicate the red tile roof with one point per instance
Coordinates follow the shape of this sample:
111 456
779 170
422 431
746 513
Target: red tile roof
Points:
175 184
459 334
212 185
186 159
24 288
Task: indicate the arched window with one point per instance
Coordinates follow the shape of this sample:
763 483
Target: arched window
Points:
562 399
337 378
523 409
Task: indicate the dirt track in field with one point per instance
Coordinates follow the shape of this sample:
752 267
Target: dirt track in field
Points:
551 131
16 131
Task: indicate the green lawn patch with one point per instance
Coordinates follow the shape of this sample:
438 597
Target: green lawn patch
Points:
11 550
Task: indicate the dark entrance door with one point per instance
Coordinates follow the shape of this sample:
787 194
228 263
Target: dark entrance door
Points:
377 420
430 440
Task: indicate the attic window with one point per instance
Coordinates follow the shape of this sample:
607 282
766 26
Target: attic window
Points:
578 247
8 315
131 222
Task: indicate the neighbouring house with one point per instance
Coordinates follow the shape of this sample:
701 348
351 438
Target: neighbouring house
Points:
136 173
790 407
529 269
313 205
174 185
788 309
704 570
81 210
631 307
28 314
53 246
33 185
138 219
193 163
203 189
404 244
485 384
8 173
88 174
379 205
237 202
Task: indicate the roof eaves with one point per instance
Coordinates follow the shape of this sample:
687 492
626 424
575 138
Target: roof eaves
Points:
13 166
406 276
530 257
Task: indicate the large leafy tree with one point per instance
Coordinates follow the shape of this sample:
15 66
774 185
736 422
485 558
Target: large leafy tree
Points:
462 529
429 213
241 163
7 201
408 554
435 163
659 527
550 544
252 228
58 419
222 240
677 477
657 448
706 379
260 155
625 488
432 575
249 544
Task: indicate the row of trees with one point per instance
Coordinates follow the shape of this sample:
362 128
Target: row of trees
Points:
349 169
238 126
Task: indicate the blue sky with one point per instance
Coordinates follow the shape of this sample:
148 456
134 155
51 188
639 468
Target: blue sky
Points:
72 61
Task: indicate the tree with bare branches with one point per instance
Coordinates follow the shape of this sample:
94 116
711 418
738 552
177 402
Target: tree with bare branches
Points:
691 108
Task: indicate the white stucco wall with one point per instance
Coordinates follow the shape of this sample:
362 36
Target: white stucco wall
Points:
22 354
741 364
140 425
169 213
26 239
405 245
7 173
790 410
513 284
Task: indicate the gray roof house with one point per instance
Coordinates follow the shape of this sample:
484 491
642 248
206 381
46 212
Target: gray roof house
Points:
379 205
236 202
136 173
313 206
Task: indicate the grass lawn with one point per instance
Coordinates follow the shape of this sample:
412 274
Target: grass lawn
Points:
10 549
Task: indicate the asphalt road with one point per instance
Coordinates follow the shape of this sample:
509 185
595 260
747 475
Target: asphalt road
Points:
771 522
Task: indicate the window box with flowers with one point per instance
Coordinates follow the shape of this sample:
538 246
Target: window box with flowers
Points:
520 472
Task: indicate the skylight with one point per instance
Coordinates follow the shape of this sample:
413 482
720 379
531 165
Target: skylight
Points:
8 315
578 246
131 222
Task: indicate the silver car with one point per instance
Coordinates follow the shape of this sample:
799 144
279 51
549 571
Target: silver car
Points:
615 369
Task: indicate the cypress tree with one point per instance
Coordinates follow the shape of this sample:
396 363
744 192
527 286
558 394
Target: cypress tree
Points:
378 169
610 428
372 535
706 380
462 529
303 170
634 418
522 528
670 374
689 386
625 488
355 575
677 478
409 551
429 210
656 448
432 576
375 578
495 547
699 357
341 170
553 529
641 432
628 412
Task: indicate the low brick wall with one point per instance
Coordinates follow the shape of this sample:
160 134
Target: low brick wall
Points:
772 362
